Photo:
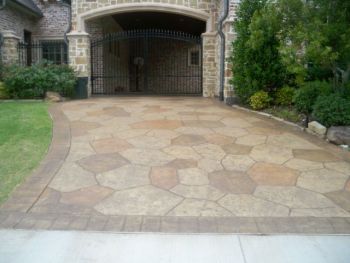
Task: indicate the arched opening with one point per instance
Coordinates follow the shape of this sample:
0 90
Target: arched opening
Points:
146 52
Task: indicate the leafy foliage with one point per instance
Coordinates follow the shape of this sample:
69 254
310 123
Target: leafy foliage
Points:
289 42
243 57
317 34
260 100
34 81
332 110
3 93
306 96
284 96
1 69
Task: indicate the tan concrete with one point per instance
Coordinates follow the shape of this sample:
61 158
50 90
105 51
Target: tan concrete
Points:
143 164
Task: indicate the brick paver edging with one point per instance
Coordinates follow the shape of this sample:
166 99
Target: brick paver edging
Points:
26 195
172 224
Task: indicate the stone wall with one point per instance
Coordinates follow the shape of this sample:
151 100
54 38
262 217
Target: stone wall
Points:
210 65
229 37
53 24
13 20
55 21
9 53
84 9
79 52
82 6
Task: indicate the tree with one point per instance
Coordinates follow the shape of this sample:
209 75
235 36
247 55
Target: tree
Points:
245 85
315 39
289 42
265 67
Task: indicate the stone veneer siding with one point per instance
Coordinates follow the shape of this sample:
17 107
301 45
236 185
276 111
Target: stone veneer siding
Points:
210 65
53 24
13 20
82 6
9 51
55 21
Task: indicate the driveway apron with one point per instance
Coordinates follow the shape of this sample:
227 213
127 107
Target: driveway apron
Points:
181 165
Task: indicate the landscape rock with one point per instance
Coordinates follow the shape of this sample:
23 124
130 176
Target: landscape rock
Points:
53 96
317 128
339 135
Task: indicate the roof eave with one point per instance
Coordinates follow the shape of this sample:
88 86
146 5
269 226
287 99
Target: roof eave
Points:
26 9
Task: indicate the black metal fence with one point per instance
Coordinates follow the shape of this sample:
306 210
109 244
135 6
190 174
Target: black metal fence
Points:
147 61
43 50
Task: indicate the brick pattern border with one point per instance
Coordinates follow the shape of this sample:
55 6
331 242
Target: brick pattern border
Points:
158 224
26 195
15 213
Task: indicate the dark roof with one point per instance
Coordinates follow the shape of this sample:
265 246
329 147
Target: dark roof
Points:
30 6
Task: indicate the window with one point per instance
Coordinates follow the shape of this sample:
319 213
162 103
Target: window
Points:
55 51
193 57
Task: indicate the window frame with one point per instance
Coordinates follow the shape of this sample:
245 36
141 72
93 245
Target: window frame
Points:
63 51
189 57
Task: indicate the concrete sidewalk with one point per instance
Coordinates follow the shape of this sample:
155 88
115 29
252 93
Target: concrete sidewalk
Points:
68 246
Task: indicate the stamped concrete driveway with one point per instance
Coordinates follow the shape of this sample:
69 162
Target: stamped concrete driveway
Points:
191 157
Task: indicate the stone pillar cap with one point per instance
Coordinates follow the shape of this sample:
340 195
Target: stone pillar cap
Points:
10 34
209 34
77 34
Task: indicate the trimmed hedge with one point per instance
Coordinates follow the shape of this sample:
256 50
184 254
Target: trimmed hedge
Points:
332 110
284 96
306 96
34 81
260 100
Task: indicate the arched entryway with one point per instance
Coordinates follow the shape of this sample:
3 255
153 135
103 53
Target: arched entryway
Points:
146 53
101 22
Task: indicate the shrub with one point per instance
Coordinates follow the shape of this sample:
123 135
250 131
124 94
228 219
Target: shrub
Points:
332 110
34 81
246 79
3 93
284 96
1 69
260 100
306 96
345 90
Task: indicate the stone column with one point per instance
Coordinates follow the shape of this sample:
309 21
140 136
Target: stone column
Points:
229 93
9 48
79 56
209 65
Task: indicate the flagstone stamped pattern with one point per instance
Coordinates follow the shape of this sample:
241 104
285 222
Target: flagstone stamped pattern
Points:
146 163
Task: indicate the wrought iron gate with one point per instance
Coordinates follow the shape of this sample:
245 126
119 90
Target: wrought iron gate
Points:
147 61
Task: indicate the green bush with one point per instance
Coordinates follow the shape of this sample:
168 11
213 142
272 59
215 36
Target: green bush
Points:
306 96
260 100
284 96
345 90
3 93
1 69
332 110
34 81
247 77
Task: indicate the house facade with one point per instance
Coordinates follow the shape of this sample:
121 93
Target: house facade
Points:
127 46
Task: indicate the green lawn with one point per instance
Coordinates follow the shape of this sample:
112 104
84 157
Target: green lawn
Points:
25 135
